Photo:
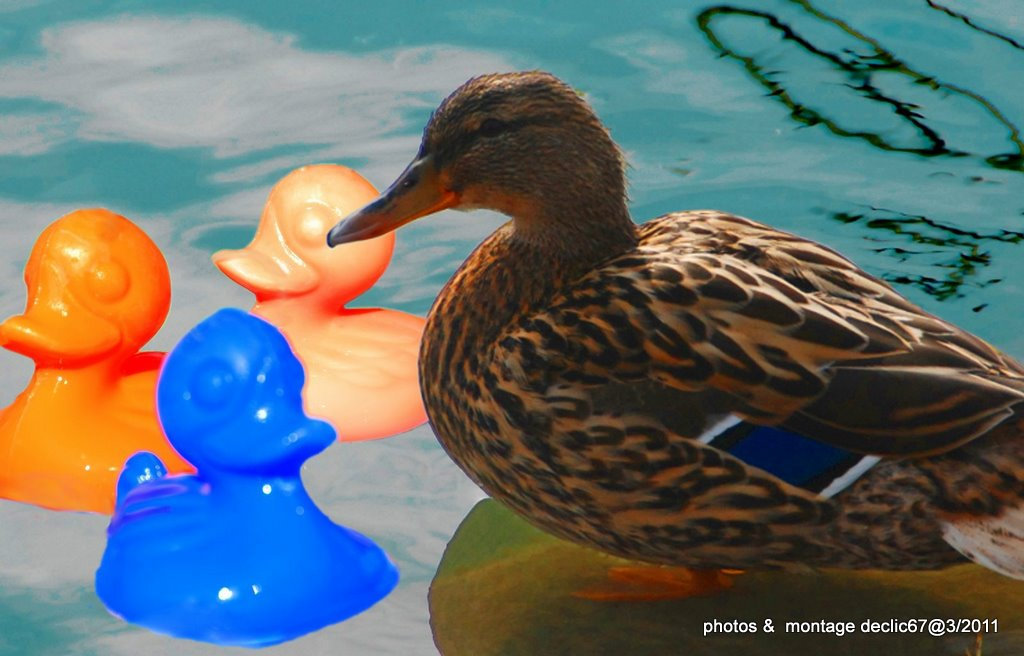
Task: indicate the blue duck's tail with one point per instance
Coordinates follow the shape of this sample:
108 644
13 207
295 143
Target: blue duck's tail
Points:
141 467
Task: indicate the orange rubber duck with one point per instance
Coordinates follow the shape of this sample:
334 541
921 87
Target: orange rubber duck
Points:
98 289
361 363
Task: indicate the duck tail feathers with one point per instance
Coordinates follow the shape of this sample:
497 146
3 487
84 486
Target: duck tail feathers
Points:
996 542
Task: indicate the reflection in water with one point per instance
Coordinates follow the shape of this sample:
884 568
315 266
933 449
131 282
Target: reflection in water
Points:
868 71
966 246
860 71
971 24
505 588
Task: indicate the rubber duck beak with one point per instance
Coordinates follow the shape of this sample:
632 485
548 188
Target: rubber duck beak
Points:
268 266
266 274
317 435
417 192
42 339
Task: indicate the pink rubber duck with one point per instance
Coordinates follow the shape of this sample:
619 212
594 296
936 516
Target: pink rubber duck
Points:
361 363
98 290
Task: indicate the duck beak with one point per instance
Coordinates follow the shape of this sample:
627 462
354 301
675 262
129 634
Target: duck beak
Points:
269 266
55 339
264 274
417 192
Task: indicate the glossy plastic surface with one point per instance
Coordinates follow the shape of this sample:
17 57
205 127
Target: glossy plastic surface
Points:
237 554
360 363
98 290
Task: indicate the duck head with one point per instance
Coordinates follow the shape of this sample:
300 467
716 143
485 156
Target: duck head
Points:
98 288
229 399
524 144
288 256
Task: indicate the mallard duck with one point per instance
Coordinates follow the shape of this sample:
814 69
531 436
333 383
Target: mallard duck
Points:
699 390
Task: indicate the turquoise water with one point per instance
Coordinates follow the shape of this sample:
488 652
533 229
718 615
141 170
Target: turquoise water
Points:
889 130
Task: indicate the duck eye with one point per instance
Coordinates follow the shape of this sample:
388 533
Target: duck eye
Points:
212 384
492 127
108 281
312 228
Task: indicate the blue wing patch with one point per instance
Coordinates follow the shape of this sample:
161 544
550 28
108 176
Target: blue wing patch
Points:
798 460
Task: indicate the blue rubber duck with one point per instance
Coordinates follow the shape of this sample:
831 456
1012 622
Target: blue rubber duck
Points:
237 554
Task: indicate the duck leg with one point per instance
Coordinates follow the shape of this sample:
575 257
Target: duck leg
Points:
657 583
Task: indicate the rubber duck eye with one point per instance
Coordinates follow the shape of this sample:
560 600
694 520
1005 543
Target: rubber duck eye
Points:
212 384
312 229
492 127
108 281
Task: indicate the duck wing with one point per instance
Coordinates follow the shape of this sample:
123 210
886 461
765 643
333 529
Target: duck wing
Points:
772 329
374 348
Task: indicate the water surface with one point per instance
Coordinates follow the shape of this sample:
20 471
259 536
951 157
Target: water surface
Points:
889 130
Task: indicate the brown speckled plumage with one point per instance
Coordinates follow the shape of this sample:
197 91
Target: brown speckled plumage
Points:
574 361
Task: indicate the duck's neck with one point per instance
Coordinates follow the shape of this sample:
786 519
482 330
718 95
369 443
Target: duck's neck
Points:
516 271
560 237
255 489
571 235
86 381
286 310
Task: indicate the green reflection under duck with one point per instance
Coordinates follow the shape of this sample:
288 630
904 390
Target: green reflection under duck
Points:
700 390
520 583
